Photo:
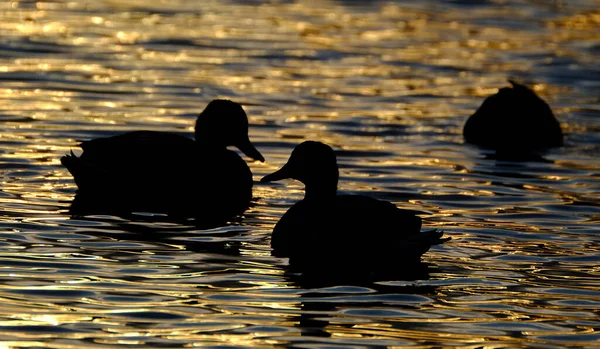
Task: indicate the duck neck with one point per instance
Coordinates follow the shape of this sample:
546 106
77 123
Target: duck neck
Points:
321 192
210 146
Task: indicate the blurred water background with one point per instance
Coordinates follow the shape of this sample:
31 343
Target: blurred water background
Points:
388 84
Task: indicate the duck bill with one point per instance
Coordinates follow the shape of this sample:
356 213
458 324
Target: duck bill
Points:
247 148
278 175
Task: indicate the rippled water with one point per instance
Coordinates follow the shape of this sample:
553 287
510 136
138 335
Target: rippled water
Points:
388 85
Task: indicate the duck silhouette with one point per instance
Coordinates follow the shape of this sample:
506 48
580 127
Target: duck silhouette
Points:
513 120
326 230
163 172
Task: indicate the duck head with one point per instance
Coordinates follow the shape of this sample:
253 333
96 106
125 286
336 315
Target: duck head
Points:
315 165
223 123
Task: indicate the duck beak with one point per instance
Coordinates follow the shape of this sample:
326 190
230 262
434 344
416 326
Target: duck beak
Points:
278 175
247 148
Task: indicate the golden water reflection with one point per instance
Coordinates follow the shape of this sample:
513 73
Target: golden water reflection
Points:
387 84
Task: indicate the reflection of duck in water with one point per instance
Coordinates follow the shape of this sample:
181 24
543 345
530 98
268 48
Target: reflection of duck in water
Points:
514 120
324 302
352 232
168 173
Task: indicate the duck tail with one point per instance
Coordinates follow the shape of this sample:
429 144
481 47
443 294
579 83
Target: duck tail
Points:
415 245
71 162
431 237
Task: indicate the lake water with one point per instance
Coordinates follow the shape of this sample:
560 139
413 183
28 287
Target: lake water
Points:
388 85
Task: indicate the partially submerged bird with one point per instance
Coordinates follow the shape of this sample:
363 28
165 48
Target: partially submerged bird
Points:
514 120
169 173
326 230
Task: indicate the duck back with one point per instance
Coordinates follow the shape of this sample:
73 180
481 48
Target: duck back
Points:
130 149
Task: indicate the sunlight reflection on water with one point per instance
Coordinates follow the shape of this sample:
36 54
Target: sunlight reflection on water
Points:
388 84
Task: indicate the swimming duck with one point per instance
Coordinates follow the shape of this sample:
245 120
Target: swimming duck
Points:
514 120
326 230
170 173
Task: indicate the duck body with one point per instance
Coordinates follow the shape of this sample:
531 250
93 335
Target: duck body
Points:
161 172
326 230
353 231
513 120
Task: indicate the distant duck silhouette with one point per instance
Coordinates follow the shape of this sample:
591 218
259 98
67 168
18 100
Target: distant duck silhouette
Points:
512 121
326 230
168 173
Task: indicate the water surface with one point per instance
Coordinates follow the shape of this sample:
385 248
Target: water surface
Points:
389 85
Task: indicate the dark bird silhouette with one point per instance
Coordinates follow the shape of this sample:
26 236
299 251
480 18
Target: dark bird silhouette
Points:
514 120
168 173
352 232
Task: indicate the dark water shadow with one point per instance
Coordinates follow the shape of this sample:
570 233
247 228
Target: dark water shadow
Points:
194 213
225 241
120 220
526 166
517 156
326 276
